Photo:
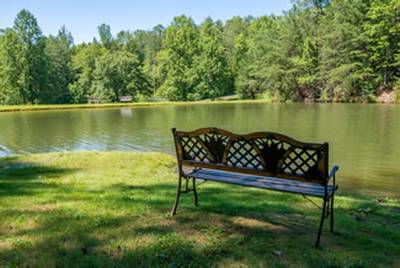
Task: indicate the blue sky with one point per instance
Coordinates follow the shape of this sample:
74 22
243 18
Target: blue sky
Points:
82 17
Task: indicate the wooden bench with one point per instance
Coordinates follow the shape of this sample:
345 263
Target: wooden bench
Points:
93 99
126 99
262 160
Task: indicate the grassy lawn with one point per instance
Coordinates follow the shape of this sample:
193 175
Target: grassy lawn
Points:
44 107
112 209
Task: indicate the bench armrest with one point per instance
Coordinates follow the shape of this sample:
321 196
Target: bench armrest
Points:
334 169
332 176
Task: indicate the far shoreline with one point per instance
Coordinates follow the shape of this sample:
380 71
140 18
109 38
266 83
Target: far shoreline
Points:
50 107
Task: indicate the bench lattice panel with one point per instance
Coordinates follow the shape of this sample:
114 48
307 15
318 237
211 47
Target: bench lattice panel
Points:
243 154
272 151
263 153
216 145
302 162
192 149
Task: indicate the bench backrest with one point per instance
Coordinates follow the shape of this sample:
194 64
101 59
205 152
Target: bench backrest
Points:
260 153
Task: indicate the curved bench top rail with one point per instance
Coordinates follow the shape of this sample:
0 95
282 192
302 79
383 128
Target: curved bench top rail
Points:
252 135
258 153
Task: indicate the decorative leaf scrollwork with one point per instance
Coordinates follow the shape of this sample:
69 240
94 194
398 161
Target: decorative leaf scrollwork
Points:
271 153
216 145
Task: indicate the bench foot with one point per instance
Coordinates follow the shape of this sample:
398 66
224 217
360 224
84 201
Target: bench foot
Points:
321 223
178 194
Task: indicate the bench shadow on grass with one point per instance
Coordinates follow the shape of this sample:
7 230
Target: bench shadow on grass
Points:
231 223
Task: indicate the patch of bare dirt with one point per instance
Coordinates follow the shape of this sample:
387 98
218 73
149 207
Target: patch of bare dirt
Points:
40 208
387 97
254 223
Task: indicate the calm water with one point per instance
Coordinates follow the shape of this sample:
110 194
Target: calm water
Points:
364 139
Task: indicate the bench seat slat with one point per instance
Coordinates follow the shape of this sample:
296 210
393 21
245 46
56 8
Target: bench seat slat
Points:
277 184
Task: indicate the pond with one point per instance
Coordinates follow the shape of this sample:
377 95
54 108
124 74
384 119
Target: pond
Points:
364 138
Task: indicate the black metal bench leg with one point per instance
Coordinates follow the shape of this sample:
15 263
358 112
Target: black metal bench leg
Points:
321 223
332 215
178 193
327 208
196 198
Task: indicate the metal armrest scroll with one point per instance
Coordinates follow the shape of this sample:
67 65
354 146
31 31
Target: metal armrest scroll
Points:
332 175
334 169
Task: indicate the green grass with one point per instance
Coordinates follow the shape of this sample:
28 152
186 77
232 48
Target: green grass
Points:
44 107
111 209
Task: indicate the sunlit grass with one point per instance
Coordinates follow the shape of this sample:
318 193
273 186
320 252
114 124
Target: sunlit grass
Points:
112 209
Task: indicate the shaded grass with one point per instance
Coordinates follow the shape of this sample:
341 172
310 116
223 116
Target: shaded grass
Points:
112 209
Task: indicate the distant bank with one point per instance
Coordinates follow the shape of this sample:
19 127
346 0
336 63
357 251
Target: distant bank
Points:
45 107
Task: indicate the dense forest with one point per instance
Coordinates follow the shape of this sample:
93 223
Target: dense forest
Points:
319 50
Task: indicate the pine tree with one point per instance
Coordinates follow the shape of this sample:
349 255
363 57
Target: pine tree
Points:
58 52
383 37
344 57
9 68
29 60
106 38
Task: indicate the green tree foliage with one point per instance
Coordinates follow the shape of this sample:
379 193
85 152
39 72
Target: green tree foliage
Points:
180 46
150 43
58 52
146 45
344 65
9 68
25 69
104 31
118 74
330 50
234 35
383 38
83 65
211 76
263 66
193 60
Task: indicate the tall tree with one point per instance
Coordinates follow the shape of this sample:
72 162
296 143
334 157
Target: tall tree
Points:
9 68
234 35
150 43
106 38
304 51
125 40
28 61
180 45
383 37
263 67
58 51
83 65
344 58
211 76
